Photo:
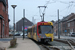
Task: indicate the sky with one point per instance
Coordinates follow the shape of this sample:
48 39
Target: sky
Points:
65 7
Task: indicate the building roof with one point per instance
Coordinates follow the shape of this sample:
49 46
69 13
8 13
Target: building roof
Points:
26 21
66 18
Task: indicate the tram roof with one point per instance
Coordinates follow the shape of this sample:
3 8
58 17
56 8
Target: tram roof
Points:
46 22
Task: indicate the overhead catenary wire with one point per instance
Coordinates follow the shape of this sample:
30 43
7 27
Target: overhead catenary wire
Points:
63 2
42 13
44 8
48 2
69 8
66 8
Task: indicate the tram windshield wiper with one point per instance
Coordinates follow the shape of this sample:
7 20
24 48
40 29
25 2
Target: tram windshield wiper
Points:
48 31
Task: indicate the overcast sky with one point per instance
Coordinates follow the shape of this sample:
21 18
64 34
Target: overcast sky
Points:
31 9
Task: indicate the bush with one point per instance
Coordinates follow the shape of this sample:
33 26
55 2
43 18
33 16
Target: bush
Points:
13 42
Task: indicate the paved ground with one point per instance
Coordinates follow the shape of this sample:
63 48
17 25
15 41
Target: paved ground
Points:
25 44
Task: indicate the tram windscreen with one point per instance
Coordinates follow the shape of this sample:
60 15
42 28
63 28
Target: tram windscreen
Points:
45 29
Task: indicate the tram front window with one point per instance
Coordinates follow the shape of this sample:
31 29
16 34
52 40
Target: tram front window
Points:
45 29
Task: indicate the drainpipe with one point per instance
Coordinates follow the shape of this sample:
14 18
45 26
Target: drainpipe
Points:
1 28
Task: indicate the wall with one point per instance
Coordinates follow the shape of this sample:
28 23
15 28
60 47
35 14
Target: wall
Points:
5 23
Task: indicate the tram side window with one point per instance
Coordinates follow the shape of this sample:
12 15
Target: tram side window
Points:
34 30
39 29
28 30
31 30
52 29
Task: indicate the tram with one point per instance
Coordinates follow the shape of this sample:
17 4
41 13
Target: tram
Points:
41 32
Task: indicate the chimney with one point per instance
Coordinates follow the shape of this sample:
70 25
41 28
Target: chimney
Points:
72 13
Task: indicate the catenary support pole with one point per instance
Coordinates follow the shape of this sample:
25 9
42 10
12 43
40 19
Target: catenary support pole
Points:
58 25
43 17
23 24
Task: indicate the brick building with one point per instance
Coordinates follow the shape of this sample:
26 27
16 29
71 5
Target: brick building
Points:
71 23
56 27
4 19
19 24
66 25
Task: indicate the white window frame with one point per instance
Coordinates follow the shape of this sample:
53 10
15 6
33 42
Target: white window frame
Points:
68 24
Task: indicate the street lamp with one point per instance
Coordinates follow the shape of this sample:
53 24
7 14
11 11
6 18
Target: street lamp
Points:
13 6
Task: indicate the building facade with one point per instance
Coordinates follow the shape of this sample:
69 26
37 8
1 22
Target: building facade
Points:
66 25
19 24
71 24
4 19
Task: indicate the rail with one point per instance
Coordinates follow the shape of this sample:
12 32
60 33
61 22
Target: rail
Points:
69 42
50 47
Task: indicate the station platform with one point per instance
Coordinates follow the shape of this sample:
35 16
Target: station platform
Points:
26 44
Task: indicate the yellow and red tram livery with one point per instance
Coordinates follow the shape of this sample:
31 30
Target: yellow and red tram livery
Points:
42 32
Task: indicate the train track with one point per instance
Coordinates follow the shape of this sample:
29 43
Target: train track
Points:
50 47
46 46
70 42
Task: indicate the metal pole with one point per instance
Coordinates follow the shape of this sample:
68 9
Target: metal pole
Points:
58 25
43 12
13 6
13 23
23 23
43 16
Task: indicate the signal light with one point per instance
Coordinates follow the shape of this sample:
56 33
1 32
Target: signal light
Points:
42 23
